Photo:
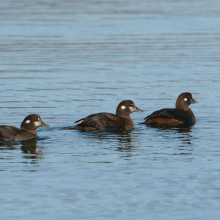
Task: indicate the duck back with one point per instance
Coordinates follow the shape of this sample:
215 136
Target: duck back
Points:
169 116
100 121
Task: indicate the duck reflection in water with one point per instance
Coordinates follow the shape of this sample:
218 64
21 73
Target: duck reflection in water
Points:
31 149
183 131
126 139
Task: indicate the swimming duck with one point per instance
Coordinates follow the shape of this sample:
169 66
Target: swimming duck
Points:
27 130
108 121
182 114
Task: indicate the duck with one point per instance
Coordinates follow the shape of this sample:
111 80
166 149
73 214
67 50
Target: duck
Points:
108 121
182 114
26 131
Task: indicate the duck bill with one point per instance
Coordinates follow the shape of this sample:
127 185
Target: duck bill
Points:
138 110
44 125
193 101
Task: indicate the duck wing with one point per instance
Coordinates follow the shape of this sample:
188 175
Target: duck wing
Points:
102 121
173 113
8 133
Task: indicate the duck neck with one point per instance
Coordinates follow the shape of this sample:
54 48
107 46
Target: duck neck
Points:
192 115
30 131
181 106
129 124
187 109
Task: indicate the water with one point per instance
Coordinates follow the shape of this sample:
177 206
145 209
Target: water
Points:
67 59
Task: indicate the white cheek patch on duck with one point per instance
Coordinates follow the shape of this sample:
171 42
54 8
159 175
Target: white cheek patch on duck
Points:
37 123
185 99
132 109
27 121
123 107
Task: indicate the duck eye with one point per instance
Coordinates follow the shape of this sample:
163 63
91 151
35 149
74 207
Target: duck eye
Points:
123 107
185 99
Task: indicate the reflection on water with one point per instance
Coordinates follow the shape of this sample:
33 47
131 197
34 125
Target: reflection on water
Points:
7 146
180 135
127 139
177 128
31 149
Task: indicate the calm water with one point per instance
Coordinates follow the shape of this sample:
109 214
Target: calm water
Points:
67 59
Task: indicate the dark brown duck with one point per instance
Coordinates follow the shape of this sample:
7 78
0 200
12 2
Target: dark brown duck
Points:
27 131
108 121
182 114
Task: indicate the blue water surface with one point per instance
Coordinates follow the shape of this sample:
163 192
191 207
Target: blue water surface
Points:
65 60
